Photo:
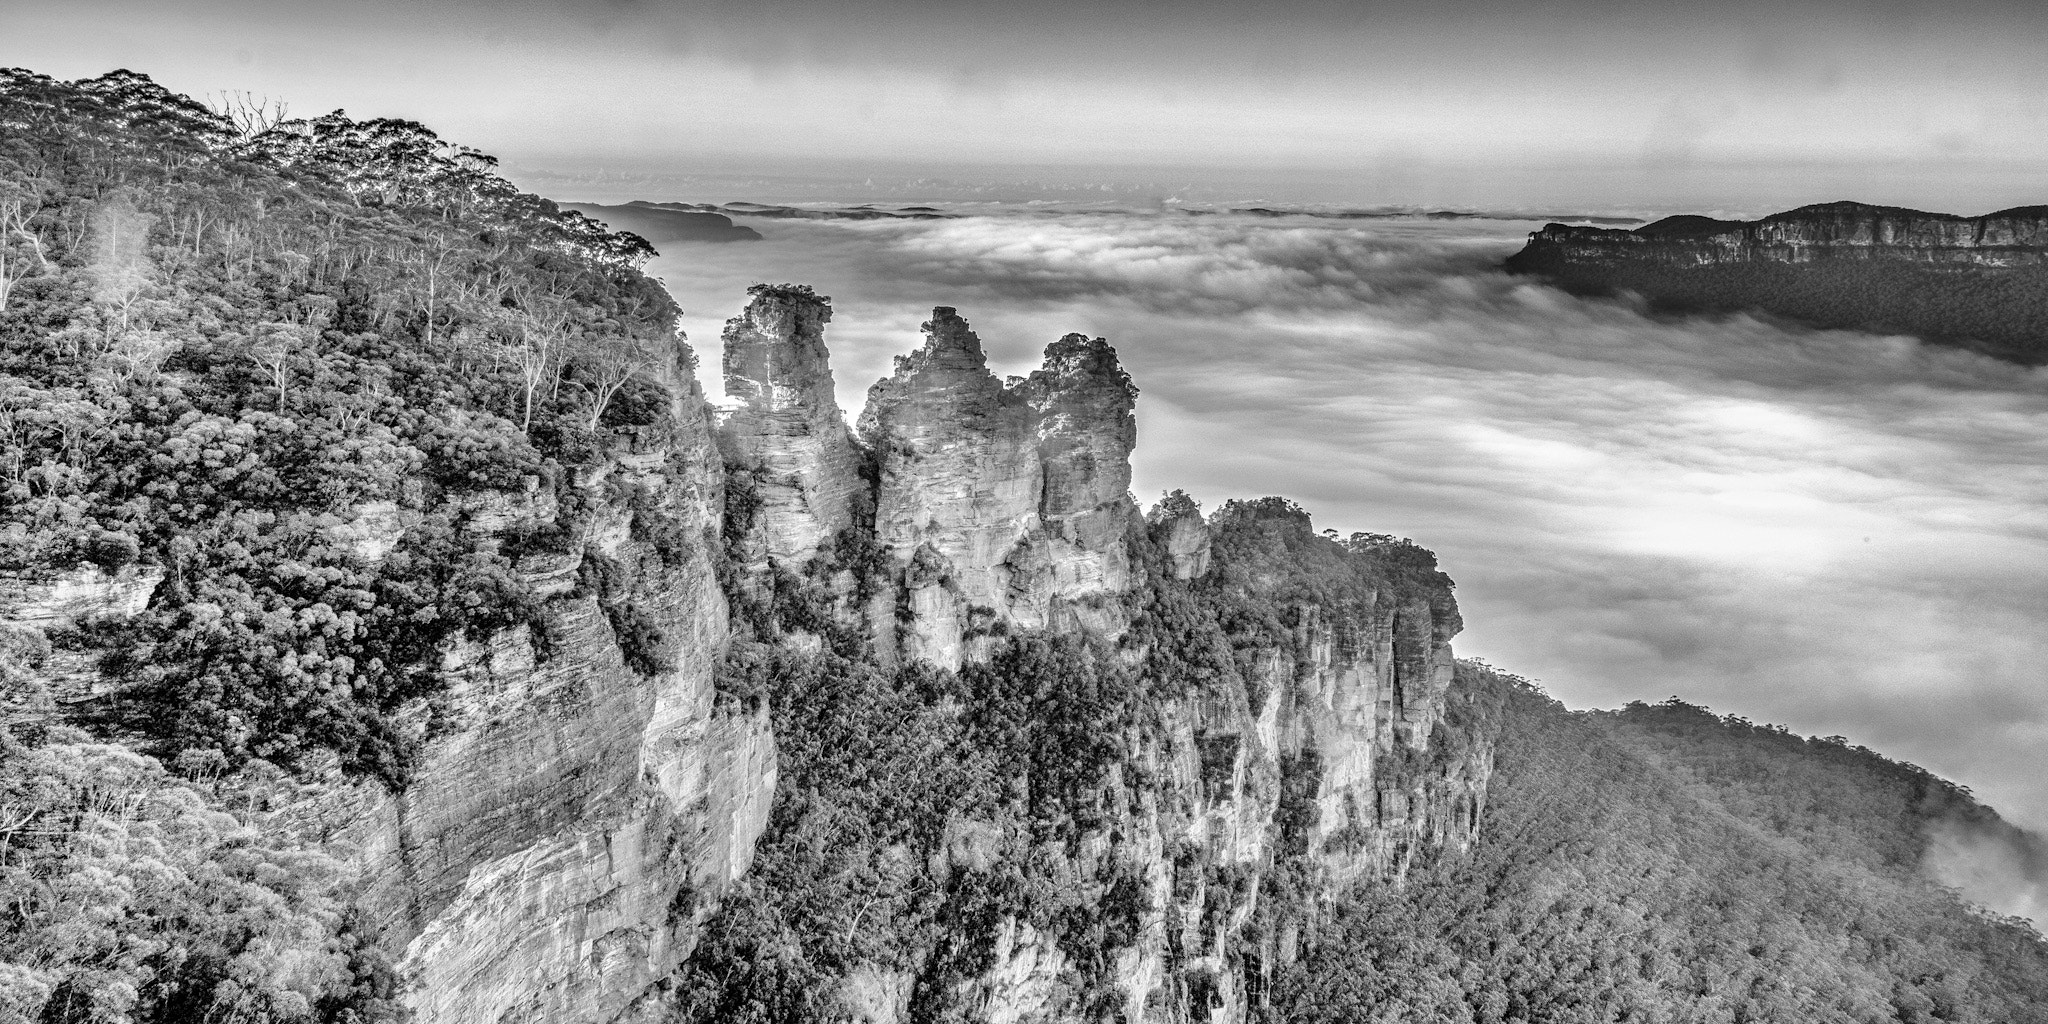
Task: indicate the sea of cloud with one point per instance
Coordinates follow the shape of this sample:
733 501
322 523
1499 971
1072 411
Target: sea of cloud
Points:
1839 532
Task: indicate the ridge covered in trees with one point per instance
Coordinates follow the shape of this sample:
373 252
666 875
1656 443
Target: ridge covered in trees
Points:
1660 863
223 335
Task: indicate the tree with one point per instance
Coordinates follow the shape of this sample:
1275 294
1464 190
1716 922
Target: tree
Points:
609 363
537 348
21 248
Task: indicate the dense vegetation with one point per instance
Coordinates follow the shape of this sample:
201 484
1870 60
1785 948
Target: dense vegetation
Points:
2002 311
219 340
223 335
1662 864
917 809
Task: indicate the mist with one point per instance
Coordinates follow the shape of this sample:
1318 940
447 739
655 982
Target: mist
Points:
1832 531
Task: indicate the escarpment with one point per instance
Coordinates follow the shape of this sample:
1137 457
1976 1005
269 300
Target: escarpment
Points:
586 800
1979 282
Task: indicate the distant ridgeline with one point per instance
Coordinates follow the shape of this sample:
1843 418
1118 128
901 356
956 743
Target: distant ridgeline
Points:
1981 282
389 630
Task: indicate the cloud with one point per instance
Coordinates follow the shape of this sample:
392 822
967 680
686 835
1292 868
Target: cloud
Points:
1834 531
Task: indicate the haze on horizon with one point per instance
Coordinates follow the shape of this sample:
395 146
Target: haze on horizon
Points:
1602 104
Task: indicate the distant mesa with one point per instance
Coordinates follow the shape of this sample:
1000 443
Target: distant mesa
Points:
1977 282
661 223
1415 213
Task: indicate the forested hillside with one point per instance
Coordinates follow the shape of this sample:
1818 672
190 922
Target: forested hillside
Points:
1659 863
221 340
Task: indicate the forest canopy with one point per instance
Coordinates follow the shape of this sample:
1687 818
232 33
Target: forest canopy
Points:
223 338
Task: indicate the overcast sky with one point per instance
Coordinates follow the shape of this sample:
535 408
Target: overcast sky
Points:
1939 103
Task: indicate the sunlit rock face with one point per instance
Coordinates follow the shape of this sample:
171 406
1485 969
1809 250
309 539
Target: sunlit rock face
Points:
788 431
1012 498
576 818
35 602
960 471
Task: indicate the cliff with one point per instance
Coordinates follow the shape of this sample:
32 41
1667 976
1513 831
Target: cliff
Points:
584 801
1980 282
662 224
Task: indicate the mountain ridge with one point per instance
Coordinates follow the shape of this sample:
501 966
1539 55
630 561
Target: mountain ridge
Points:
1976 282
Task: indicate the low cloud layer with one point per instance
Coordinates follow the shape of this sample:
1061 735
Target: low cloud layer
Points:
1837 532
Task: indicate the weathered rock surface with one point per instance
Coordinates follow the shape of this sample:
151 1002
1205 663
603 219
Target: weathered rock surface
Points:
48 599
576 819
1018 495
788 431
33 603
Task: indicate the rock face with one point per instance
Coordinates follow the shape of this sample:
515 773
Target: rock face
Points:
1008 498
788 432
33 603
577 818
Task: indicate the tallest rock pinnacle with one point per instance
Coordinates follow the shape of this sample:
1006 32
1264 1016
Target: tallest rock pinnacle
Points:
788 429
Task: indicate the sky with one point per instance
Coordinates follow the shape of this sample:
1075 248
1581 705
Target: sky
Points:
1742 106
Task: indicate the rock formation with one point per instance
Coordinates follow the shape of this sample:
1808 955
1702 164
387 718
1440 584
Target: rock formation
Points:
788 433
1009 498
586 796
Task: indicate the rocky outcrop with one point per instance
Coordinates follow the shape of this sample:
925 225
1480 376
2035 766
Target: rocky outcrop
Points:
576 818
787 432
32 603
49 599
1012 498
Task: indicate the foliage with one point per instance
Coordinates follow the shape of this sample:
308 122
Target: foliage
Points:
2000 310
129 896
1647 865
221 339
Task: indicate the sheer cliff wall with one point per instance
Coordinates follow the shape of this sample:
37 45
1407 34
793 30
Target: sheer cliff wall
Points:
579 812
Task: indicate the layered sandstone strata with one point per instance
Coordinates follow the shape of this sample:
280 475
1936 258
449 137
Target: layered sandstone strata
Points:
1010 498
787 431
575 819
